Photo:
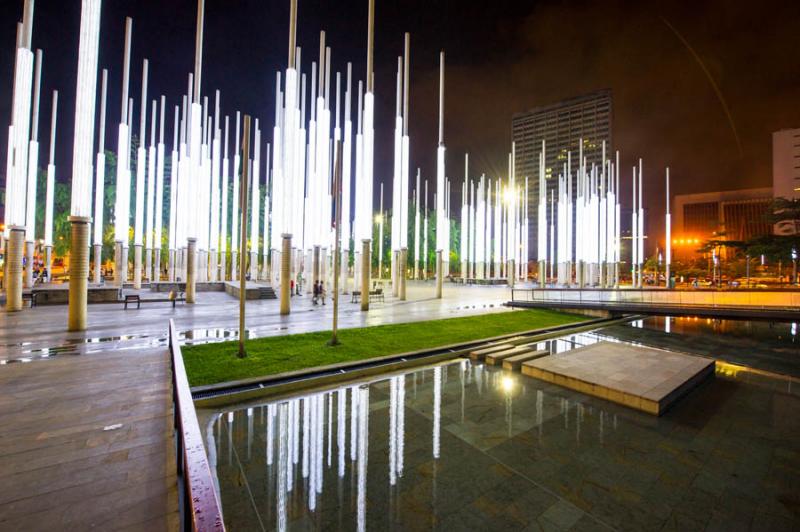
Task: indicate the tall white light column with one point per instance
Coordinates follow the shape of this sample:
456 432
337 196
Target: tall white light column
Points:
123 181
159 208
441 218
50 189
99 184
81 201
33 171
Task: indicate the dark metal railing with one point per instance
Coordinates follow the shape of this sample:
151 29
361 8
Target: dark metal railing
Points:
200 507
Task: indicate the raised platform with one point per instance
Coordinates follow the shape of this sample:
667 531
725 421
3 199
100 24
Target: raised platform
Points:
58 294
646 379
180 286
251 291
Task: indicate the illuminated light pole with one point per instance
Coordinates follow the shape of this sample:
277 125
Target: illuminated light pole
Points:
480 228
396 200
193 178
494 230
441 195
602 195
173 196
640 231
151 193
99 184
425 237
123 181
81 201
51 179
634 237
256 204
264 272
668 243
141 166
617 223
160 154
472 232
404 171
286 167
33 170
16 178
234 202
552 233
541 222
465 228
380 236
214 244
223 231
416 195
346 177
511 225
367 167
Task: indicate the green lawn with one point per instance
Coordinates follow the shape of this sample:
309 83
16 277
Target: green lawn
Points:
217 362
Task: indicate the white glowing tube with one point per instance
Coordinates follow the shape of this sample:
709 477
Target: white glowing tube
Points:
151 181
285 153
223 230
173 182
33 154
160 154
17 179
398 155
141 164
100 170
358 224
51 176
256 200
347 163
235 198
541 220
640 232
85 96
668 225
194 177
215 178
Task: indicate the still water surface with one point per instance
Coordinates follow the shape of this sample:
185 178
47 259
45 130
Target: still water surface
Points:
467 446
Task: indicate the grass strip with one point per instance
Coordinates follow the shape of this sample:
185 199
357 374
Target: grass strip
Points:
217 362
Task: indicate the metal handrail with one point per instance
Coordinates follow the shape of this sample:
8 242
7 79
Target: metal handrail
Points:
200 506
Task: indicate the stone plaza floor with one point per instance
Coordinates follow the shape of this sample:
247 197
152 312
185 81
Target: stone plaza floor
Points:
41 331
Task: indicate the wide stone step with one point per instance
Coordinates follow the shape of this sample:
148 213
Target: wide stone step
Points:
496 358
480 354
514 363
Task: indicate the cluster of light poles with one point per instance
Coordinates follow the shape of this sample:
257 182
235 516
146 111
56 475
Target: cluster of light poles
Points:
206 233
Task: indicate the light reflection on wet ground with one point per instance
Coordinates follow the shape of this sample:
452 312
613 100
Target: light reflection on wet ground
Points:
467 446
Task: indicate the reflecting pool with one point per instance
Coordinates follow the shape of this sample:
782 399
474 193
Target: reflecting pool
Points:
468 446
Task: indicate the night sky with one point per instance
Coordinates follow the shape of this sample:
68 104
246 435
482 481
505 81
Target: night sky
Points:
502 57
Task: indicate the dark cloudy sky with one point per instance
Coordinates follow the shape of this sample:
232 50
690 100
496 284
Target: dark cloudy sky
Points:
502 57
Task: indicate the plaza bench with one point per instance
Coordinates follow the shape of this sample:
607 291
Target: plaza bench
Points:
374 295
135 298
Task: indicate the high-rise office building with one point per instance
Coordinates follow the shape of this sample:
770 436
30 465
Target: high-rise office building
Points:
561 125
786 163
786 172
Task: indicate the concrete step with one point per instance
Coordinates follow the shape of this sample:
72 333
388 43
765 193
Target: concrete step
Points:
267 292
496 358
480 354
514 363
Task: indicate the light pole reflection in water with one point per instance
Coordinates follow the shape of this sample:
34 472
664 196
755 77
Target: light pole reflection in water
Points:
363 427
437 406
397 393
